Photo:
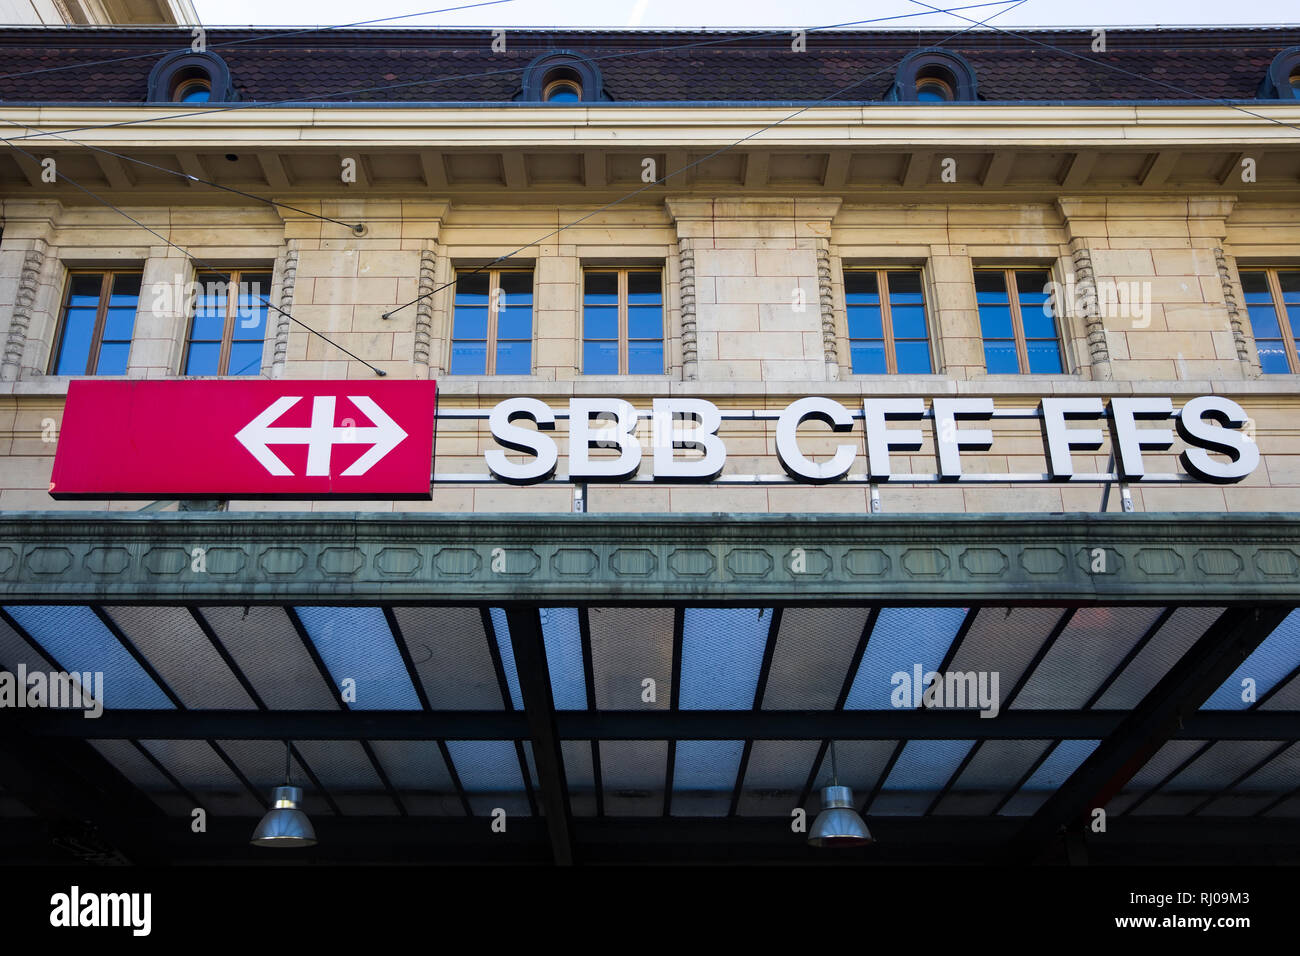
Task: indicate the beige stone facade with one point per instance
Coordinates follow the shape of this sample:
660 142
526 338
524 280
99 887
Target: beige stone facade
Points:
752 257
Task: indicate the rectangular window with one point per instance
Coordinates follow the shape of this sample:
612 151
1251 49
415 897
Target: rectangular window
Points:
1273 301
492 323
887 333
1017 321
227 331
622 322
95 328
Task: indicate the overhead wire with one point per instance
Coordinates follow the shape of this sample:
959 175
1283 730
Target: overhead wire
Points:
1010 5
117 209
267 36
1119 69
455 77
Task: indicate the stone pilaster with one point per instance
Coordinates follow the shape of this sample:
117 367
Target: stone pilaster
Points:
1084 303
752 287
424 310
1247 352
690 350
29 277
288 277
826 300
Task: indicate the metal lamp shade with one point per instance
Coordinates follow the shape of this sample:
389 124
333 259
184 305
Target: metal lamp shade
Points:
284 824
839 824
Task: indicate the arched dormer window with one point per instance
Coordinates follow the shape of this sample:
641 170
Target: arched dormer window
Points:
934 76
1282 82
562 77
189 77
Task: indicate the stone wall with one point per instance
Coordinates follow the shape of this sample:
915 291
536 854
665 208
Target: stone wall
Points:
754 318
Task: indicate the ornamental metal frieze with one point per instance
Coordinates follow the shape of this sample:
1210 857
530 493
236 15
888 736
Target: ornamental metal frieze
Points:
185 557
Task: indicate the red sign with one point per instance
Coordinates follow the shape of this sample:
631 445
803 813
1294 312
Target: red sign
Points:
249 439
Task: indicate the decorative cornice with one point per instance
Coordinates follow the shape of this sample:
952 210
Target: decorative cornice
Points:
637 558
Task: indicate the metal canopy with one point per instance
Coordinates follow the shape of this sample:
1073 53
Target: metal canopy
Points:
463 711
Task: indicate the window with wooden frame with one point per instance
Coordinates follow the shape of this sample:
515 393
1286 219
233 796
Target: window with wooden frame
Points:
1018 321
96 323
1273 301
888 333
622 322
228 327
492 322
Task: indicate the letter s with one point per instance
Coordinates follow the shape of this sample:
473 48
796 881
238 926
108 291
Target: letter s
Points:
1220 434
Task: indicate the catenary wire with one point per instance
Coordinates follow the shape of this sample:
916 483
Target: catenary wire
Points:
144 121
265 301
669 175
1119 69
1006 4
192 178
269 36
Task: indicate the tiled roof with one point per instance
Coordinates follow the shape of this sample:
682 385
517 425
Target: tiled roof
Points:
459 66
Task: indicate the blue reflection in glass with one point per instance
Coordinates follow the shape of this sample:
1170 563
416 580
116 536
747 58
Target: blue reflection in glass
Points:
645 358
486 766
927 764
502 630
563 639
995 322
1000 357
600 358
902 638
78 640
468 358
913 357
356 643
868 358
514 358
722 652
1064 760
708 765
1276 656
1044 357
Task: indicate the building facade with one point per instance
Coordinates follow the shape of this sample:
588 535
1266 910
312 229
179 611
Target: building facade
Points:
985 224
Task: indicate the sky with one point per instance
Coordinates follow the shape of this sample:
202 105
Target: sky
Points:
744 13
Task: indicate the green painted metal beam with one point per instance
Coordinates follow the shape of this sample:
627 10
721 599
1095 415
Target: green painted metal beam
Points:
567 559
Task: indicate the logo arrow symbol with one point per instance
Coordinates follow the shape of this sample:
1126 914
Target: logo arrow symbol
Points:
320 436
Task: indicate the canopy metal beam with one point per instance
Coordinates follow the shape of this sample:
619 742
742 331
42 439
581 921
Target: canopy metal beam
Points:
919 724
1172 704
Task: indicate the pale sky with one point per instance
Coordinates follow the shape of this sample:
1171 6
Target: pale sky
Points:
744 13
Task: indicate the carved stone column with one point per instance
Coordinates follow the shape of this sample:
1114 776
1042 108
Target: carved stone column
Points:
686 272
1085 302
29 279
827 302
288 277
424 308
1247 352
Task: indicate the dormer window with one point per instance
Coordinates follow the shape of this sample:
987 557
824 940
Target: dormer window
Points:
189 77
562 90
1282 81
934 76
562 77
196 89
934 89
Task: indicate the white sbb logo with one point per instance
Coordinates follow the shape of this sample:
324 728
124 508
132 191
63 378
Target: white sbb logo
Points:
320 436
